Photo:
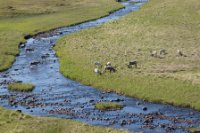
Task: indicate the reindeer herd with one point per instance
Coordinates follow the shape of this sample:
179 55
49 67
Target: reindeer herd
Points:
99 69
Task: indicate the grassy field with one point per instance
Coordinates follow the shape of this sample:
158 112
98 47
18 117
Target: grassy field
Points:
169 24
21 87
106 106
19 18
15 122
22 17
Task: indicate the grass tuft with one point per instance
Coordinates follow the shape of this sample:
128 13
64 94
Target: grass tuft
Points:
21 87
107 106
194 130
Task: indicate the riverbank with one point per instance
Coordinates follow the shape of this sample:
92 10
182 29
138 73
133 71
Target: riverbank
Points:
15 122
21 18
170 79
18 19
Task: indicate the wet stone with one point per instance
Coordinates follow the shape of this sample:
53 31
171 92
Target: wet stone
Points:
22 45
19 111
62 97
162 125
91 101
170 128
117 100
34 63
29 49
144 108
138 103
123 122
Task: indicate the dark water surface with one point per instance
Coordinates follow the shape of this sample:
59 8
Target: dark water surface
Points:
57 96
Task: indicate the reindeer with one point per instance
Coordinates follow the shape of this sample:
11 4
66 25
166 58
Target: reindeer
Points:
154 53
44 56
109 67
162 52
132 63
98 64
180 53
96 70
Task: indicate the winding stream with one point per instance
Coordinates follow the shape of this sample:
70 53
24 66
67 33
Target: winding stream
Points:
57 96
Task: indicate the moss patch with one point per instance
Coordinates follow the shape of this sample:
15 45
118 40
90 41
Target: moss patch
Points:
21 87
106 106
195 130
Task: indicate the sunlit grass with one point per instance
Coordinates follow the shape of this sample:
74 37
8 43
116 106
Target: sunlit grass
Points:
14 122
21 87
194 130
22 17
167 24
106 106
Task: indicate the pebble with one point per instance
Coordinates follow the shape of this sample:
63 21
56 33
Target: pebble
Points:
144 109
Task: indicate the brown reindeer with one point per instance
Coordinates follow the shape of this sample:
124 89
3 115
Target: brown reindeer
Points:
132 63
109 68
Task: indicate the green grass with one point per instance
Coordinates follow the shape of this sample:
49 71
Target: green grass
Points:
167 24
21 87
23 17
194 130
19 18
106 106
14 122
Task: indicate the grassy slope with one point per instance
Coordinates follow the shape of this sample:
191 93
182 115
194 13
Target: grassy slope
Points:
159 24
14 122
21 17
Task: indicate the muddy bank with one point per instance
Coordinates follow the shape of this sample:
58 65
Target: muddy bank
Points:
57 96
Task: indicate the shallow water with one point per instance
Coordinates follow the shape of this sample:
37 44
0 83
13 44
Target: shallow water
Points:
57 96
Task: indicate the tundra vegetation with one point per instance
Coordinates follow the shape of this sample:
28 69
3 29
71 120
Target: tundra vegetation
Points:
19 18
15 122
106 106
194 130
169 25
21 87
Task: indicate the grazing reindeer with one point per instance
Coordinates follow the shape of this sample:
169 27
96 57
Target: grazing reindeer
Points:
108 64
132 63
180 53
162 52
98 64
96 70
109 67
154 53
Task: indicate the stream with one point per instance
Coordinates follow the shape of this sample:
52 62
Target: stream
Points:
57 96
